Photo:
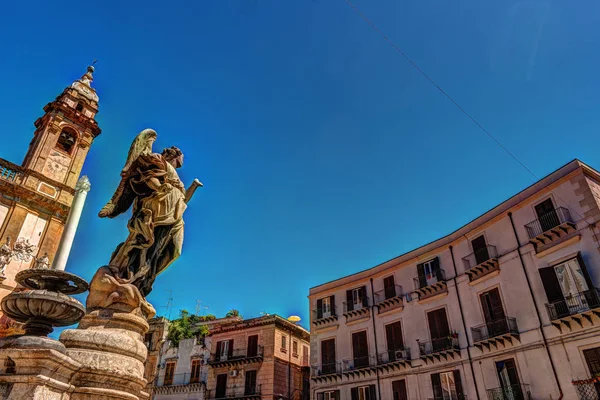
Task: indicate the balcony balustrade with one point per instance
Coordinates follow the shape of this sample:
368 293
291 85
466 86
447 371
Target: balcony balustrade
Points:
390 298
325 317
232 393
394 360
326 372
495 332
510 392
482 263
587 389
550 227
181 383
449 396
429 286
441 348
237 357
574 308
354 311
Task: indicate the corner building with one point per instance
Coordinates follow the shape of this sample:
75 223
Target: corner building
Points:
505 307
36 196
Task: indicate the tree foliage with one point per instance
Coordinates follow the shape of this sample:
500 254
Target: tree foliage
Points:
233 313
186 327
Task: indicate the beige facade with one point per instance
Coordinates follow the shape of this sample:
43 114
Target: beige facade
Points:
485 312
35 197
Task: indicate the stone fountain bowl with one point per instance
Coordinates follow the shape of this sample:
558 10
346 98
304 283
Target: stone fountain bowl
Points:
43 306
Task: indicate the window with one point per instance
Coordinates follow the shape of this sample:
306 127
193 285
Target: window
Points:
169 373
480 250
328 363
331 395
283 343
10 367
295 348
148 340
447 385
363 393
195 375
224 350
66 140
325 307
250 383
79 107
389 287
592 359
493 312
360 349
252 346
399 390
305 355
439 329
547 215
395 344
221 390
429 272
509 379
356 298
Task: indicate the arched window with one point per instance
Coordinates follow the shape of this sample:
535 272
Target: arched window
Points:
9 366
79 107
66 140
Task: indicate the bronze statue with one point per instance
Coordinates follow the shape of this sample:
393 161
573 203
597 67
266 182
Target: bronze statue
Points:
151 186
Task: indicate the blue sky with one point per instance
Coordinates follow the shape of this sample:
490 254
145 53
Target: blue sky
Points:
323 152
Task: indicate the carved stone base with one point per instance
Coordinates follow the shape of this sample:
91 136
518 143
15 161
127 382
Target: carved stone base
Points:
109 347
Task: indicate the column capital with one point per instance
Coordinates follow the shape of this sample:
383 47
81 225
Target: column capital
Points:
83 184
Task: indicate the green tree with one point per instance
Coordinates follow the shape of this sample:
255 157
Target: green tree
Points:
233 313
186 327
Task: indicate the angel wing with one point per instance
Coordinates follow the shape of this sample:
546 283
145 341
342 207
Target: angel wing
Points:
122 199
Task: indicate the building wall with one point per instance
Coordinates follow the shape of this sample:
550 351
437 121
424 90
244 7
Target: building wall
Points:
576 190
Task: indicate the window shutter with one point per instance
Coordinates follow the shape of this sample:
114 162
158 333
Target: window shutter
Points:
336 395
422 277
436 384
354 393
320 396
372 393
332 305
458 384
320 310
551 285
585 271
363 296
435 263
230 350
349 302
219 347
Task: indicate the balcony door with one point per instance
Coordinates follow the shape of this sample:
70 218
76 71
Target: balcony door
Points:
480 249
252 346
429 272
493 312
439 329
395 344
328 363
250 383
221 390
360 349
356 298
447 386
509 380
546 214
225 349
389 287
399 390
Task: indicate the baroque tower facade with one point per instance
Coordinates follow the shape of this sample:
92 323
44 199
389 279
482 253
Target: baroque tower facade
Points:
35 197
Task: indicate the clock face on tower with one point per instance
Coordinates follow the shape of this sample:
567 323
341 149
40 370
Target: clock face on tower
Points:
57 166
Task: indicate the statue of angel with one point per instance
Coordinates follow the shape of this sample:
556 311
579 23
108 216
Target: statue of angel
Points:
151 186
43 261
6 254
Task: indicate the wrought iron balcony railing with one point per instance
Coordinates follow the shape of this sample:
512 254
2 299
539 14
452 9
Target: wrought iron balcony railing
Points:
324 312
425 280
351 364
429 347
8 174
234 392
326 369
182 379
388 293
575 304
548 221
354 306
449 396
394 355
588 389
480 256
510 392
237 354
489 330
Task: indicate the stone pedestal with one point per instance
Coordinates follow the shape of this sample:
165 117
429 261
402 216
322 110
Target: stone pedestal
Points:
109 346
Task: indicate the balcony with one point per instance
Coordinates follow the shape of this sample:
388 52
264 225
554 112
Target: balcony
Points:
438 350
575 308
388 299
9 172
482 263
550 228
359 366
431 286
511 392
180 384
327 372
394 360
325 318
233 393
449 396
494 333
588 389
236 357
357 311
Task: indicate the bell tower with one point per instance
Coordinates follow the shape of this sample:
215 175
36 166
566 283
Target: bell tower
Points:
62 140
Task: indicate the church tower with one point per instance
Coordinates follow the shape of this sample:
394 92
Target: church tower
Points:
35 197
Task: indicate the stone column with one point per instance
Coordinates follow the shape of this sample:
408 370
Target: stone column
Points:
66 242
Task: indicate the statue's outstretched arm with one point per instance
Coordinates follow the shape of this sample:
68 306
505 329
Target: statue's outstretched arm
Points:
190 191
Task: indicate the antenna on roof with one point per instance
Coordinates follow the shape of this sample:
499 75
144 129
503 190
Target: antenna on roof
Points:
169 304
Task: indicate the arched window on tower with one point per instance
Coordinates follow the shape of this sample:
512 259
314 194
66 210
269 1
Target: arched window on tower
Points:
79 107
9 366
66 140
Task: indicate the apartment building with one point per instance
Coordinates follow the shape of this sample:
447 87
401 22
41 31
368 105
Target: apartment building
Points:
505 307
260 358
